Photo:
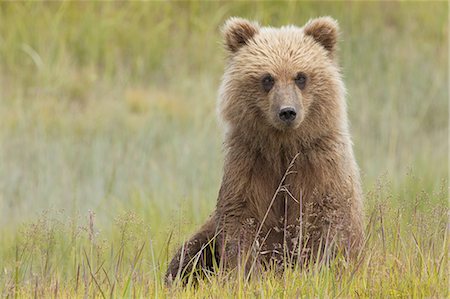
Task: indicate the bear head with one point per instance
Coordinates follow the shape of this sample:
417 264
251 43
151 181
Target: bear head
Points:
282 80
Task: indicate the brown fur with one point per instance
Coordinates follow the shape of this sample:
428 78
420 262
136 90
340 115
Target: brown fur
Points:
317 205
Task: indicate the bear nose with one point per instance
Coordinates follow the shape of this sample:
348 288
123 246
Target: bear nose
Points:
287 114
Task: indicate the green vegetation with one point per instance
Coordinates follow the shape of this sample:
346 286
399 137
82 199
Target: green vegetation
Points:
110 149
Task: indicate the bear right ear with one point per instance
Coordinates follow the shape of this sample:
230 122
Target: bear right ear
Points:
237 32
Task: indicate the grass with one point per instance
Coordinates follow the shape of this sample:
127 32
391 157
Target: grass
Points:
110 151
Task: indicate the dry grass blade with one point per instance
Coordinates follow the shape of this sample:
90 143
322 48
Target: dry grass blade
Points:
92 274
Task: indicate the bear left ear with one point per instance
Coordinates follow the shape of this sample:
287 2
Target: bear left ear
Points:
325 31
237 32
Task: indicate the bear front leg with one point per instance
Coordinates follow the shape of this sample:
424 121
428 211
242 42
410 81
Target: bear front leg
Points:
237 234
236 219
195 255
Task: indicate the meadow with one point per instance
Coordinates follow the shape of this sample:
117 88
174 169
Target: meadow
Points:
111 154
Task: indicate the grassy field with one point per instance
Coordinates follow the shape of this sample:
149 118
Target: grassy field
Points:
110 149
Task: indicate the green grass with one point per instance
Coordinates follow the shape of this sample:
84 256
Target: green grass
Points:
110 146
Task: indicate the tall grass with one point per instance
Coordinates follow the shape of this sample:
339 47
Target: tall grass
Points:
110 151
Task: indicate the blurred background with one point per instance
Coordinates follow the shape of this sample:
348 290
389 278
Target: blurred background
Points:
110 107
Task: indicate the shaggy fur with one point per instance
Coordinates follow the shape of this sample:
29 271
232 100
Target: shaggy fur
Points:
287 189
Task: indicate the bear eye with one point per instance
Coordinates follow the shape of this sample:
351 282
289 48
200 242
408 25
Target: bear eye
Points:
300 80
267 82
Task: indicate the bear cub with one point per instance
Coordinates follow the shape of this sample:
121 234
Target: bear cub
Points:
291 187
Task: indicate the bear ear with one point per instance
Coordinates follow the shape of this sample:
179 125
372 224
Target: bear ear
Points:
325 31
237 32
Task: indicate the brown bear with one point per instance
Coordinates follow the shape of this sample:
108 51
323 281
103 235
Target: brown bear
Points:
291 186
